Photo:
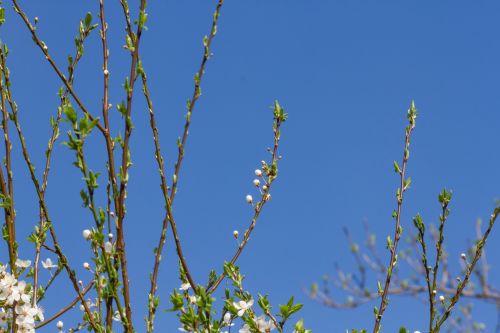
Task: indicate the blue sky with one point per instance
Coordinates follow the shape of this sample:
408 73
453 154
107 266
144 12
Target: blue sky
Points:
345 71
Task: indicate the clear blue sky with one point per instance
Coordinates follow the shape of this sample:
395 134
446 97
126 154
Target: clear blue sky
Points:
345 71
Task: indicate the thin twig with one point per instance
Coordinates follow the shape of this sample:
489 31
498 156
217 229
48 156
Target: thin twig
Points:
66 308
412 113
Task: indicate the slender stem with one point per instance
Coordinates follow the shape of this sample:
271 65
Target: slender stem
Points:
126 163
159 158
470 268
439 252
7 187
398 229
66 308
258 206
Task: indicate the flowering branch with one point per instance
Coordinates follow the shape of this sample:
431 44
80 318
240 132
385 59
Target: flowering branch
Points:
271 171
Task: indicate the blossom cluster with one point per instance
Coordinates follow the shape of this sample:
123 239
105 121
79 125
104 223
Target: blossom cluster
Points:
15 302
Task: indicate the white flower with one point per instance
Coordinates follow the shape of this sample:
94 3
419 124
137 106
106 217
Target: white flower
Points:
25 315
441 298
106 72
110 236
245 329
60 325
23 263
242 306
265 326
86 234
236 233
47 264
193 299
185 286
17 294
249 198
86 265
39 313
116 316
108 247
228 319
463 256
256 182
258 172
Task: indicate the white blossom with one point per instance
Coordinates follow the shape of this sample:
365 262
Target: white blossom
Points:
86 234
47 264
23 263
60 325
108 247
258 172
256 182
249 198
236 233
265 326
242 306
228 319
185 286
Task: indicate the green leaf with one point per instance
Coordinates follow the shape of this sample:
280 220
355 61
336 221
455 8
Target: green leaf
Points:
88 20
397 169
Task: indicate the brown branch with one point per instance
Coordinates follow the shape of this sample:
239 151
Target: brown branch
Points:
159 158
66 308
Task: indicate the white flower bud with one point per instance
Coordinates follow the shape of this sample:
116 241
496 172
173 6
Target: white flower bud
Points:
463 256
441 298
108 247
258 172
434 292
236 233
86 234
249 198
86 265
60 325
227 318
110 236
256 182
264 187
106 72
